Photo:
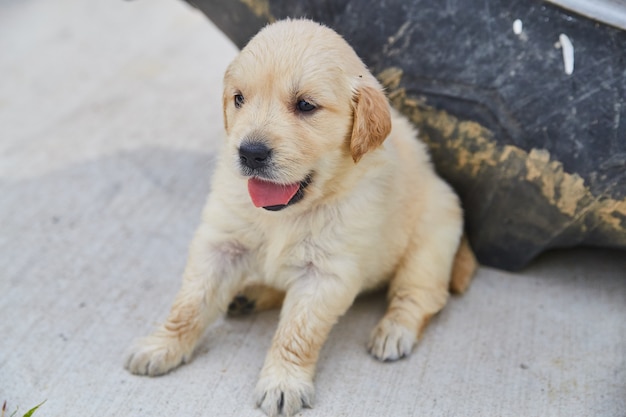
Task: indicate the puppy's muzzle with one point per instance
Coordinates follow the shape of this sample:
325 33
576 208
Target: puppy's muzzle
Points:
254 155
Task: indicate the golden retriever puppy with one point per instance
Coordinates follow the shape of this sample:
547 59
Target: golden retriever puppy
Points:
321 192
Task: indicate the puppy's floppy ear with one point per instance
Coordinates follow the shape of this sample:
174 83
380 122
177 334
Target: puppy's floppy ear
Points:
225 102
371 120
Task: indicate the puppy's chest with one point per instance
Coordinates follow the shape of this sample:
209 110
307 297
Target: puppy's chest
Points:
328 246
286 250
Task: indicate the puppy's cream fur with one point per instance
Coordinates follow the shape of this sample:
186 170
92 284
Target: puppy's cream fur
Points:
374 214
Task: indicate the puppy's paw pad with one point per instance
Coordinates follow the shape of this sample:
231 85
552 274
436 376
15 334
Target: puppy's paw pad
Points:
391 341
240 306
283 397
155 355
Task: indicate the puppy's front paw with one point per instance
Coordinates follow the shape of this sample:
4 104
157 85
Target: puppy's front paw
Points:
156 355
391 341
283 396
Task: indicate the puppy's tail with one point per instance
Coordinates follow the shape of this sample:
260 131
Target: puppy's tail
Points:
464 267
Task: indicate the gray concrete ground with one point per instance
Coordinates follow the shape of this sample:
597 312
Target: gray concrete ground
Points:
109 120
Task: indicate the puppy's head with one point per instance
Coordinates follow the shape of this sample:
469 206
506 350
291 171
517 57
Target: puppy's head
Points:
299 106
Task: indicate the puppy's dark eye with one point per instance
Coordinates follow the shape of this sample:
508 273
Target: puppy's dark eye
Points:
239 100
304 106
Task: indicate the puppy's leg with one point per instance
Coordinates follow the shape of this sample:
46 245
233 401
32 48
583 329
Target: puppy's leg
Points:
212 277
311 307
418 290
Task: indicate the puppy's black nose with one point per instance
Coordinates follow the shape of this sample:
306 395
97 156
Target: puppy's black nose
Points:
254 155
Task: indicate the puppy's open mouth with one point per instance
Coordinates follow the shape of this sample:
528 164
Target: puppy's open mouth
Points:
272 196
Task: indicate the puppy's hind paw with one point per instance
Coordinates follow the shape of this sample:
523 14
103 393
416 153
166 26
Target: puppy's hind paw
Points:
255 298
286 398
391 341
241 306
155 355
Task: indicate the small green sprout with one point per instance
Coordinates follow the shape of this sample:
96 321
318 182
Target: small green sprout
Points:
29 413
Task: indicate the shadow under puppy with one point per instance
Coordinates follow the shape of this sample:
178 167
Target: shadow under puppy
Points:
322 191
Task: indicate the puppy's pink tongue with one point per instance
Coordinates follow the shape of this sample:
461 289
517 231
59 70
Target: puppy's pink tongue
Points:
265 193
